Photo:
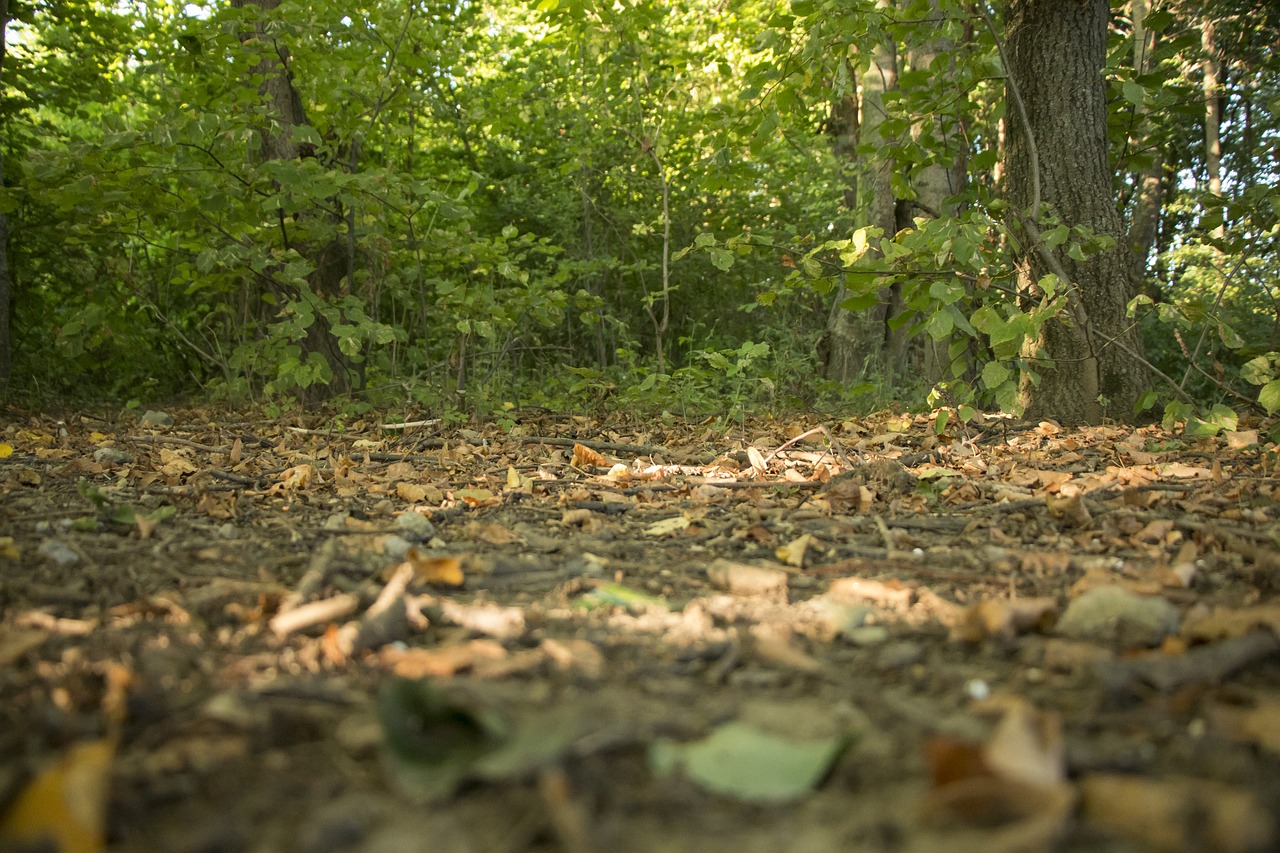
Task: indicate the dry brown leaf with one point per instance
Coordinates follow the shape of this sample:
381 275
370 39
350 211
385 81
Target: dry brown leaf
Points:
442 661
575 655
402 471
413 493
477 497
1027 747
1258 724
1070 510
747 580
891 594
492 534
1005 618
1224 622
1178 813
16 642
584 457
295 478
776 644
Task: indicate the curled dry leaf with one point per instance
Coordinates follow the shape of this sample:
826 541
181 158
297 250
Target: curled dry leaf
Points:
584 457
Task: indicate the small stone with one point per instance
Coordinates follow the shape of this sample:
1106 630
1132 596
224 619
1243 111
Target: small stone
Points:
871 635
899 655
155 418
1113 614
415 527
111 456
59 552
396 547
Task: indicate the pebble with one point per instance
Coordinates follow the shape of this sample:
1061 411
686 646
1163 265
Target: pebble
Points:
396 547
870 635
111 456
415 527
1113 614
59 552
899 655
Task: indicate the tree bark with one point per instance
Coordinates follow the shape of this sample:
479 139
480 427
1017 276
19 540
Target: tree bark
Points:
1149 182
934 185
855 341
1089 361
1212 121
6 278
327 255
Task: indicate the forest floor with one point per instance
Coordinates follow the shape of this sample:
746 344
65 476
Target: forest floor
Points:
221 634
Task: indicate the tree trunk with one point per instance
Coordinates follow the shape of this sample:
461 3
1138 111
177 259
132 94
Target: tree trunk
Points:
1149 182
934 184
855 341
1212 122
328 255
1089 361
6 280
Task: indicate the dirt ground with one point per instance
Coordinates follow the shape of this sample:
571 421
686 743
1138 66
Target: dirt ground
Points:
222 633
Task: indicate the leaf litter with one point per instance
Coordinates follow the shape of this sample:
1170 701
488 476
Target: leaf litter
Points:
576 635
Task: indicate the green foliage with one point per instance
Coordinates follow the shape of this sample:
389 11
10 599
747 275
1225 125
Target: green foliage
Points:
579 202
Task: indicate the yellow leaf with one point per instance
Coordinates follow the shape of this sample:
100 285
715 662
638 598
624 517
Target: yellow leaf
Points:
667 526
793 553
584 456
442 571
476 497
6 450
66 804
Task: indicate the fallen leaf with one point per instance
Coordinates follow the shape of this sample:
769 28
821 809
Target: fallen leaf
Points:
747 580
740 761
584 457
441 661
443 571
66 804
793 552
492 534
1224 622
1005 618
1178 813
667 526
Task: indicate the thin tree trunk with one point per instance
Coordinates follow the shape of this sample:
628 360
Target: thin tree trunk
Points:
1149 190
1089 363
1212 120
328 256
856 341
934 185
6 280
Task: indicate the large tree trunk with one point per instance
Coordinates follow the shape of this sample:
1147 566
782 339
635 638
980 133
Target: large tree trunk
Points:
328 254
1089 361
855 341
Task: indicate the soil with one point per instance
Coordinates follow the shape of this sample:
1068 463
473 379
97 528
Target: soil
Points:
224 633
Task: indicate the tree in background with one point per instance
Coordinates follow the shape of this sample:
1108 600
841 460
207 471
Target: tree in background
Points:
469 206
6 280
